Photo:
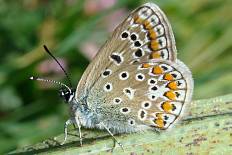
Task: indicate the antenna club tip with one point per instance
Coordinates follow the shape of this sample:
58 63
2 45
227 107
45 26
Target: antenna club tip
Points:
32 78
45 47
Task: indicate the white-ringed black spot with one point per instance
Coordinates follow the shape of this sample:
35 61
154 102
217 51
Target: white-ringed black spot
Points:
106 73
116 58
142 114
151 81
154 88
124 35
152 97
138 53
137 44
129 92
146 104
125 110
131 122
140 77
133 37
108 87
117 100
123 75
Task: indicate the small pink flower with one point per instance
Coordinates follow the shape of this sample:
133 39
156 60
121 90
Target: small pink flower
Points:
114 19
89 49
93 6
50 66
53 69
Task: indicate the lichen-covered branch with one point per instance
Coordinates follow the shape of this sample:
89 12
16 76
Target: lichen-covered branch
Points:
207 128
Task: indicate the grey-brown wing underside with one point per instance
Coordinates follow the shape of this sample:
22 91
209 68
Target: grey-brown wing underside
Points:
144 35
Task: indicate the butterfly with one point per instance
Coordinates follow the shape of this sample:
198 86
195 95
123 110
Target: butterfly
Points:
135 82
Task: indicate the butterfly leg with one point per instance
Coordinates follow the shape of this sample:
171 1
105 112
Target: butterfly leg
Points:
67 123
107 129
77 122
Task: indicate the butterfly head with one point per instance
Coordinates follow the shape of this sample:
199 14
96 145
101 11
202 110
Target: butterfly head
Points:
67 94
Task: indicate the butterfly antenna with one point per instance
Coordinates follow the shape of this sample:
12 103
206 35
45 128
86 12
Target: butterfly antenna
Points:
66 74
49 81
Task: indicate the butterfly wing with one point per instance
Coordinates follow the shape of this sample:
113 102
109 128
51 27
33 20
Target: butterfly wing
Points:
136 78
144 35
152 93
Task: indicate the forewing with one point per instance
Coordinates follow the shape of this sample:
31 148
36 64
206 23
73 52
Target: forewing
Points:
144 35
154 93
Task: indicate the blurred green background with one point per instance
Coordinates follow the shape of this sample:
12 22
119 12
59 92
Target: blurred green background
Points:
74 30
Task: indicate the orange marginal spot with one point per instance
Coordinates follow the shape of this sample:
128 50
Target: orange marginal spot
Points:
138 20
146 65
154 45
157 70
167 106
170 94
168 77
172 85
147 25
159 122
155 55
152 34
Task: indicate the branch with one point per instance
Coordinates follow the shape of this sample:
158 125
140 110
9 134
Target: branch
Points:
206 129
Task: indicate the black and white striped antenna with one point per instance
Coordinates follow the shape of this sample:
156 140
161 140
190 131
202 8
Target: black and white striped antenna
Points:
53 81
